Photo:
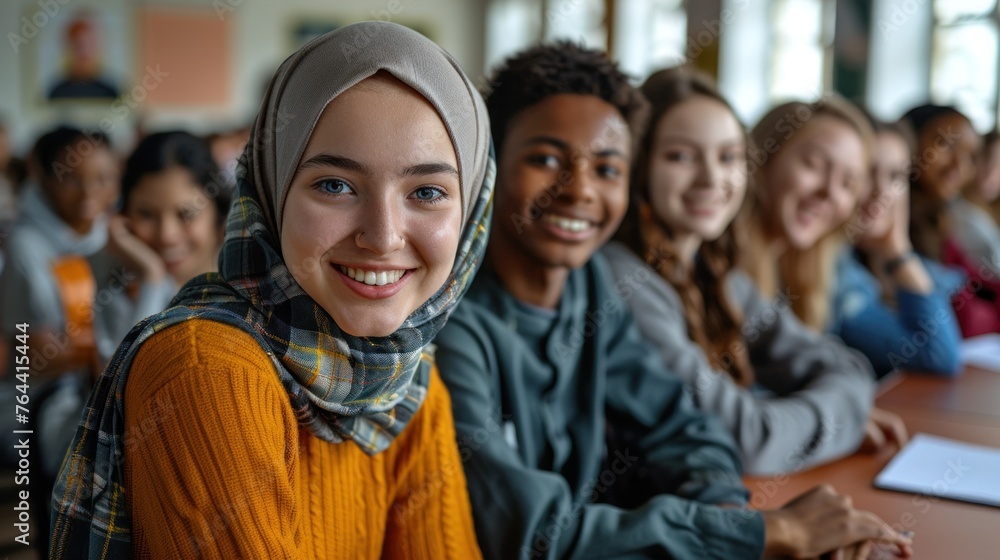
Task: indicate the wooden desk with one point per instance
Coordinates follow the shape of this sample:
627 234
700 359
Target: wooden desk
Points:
960 409
976 391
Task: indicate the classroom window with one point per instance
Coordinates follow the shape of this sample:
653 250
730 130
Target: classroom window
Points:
964 58
801 48
581 21
650 35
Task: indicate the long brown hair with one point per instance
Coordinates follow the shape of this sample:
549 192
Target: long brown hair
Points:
806 275
930 222
712 321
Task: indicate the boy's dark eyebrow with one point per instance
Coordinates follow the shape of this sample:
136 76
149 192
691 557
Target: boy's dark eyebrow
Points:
542 139
330 160
563 145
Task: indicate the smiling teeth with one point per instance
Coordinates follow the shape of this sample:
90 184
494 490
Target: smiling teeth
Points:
568 224
372 278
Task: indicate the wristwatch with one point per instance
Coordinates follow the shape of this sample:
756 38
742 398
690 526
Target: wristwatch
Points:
892 265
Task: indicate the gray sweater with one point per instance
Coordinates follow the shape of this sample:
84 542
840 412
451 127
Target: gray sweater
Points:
814 395
977 234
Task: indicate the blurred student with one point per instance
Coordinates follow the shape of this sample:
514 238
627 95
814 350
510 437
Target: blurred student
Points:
987 191
946 228
226 149
63 219
704 316
8 190
558 401
48 285
889 303
288 406
169 230
976 230
812 166
174 203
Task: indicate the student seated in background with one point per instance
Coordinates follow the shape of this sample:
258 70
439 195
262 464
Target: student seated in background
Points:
169 231
703 315
976 231
558 401
943 225
986 190
887 302
295 411
8 190
63 218
174 204
47 282
812 164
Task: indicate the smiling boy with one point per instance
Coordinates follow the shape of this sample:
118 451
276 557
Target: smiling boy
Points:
541 358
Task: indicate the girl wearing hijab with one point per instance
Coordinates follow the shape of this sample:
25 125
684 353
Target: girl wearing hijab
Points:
287 406
689 182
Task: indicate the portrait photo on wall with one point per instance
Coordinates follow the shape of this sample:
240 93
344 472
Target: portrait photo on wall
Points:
82 55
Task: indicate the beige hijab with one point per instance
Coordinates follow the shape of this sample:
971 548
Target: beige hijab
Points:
329 65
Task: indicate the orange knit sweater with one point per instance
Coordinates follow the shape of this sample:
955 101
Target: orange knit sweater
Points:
216 465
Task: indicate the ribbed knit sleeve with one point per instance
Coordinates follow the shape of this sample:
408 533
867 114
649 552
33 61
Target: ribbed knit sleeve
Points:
431 516
211 448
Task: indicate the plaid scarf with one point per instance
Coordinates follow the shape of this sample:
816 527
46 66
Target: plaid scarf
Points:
341 387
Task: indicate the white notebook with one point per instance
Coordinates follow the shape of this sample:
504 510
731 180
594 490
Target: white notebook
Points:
946 468
982 351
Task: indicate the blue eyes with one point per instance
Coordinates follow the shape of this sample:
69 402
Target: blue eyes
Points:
428 194
336 187
333 186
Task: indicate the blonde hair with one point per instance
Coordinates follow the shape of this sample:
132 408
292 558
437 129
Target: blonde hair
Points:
806 275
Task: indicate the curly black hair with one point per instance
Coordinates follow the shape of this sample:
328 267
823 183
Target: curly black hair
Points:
535 74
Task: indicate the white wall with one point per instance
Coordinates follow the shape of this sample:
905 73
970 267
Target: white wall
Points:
259 38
